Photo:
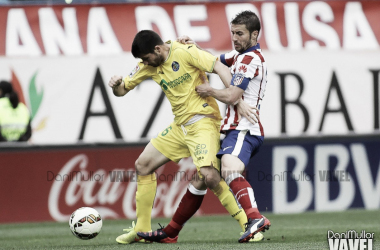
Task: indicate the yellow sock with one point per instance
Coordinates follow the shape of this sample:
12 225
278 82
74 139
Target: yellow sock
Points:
222 191
145 194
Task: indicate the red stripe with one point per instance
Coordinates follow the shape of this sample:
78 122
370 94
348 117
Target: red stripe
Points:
258 53
261 82
235 58
226 120
257 72
236 116
232 127
230 61
261 129
247 59
258 95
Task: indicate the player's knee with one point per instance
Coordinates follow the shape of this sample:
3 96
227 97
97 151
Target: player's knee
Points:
198 182
230 166
226 170
211 177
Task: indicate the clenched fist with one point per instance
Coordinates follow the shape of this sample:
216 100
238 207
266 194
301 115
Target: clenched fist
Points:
115 81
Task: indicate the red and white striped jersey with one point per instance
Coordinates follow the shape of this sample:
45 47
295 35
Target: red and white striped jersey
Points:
250 74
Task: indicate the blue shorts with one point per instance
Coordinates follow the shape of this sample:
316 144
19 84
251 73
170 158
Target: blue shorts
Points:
241 144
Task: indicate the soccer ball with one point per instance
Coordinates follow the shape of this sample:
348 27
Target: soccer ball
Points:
85 223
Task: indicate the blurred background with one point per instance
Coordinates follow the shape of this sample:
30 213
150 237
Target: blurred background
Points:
320 111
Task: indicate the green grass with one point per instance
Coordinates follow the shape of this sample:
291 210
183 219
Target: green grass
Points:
301 231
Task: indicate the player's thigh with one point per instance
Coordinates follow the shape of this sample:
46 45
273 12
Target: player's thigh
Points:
198 182
203 141
149 160
240 144
171 143
231 164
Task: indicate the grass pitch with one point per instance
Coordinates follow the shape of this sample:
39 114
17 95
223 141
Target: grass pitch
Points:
301 231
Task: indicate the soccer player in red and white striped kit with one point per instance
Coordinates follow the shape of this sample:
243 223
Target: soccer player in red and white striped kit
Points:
243 138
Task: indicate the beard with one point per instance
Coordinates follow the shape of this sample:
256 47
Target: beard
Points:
241 48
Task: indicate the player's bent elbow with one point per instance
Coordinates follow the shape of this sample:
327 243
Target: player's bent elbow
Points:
118 94
232 100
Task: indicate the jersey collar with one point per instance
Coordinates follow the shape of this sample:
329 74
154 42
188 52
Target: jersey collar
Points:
170 51
256 47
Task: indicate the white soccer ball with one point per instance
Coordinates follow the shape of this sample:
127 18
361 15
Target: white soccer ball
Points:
85 223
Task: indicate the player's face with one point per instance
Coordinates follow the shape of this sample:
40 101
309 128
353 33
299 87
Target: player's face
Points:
240 37
152 59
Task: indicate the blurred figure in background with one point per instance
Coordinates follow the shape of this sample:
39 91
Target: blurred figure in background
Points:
14 116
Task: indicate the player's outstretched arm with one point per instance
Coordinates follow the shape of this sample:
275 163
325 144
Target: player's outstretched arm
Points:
117 85
229 95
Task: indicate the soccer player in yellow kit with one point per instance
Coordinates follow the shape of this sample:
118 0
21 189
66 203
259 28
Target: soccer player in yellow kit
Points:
178 69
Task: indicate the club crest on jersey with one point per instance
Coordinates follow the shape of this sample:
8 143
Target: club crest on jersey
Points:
175 66
238 79
243 69
134 71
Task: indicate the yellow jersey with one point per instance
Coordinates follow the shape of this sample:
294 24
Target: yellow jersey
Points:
13 121
178 76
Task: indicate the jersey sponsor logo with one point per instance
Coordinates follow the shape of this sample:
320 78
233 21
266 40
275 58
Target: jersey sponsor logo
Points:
243 69
189 46
175 66
134 71
205 105
164 84
200 149
172 84
238 79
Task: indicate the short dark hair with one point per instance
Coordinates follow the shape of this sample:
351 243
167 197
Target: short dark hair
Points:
144 43
249 18
7 89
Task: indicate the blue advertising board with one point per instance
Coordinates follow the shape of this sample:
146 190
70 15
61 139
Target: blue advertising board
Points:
320 174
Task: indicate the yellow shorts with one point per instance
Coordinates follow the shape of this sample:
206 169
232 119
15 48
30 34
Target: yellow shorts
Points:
200 140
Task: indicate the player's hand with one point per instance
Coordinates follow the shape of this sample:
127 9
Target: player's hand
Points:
115 81
249 112
204 90
185 40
